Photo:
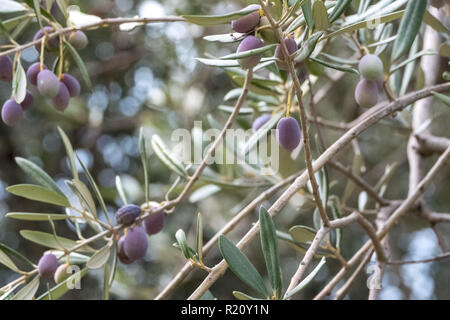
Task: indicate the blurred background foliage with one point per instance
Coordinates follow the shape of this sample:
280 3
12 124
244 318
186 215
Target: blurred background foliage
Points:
149 78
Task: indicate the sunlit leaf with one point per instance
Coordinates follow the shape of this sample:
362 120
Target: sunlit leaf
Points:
38 193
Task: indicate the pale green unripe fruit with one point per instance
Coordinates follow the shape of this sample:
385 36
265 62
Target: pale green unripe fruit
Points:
371 67
62 273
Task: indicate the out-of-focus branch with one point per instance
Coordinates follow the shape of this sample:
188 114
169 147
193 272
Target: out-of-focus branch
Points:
428 144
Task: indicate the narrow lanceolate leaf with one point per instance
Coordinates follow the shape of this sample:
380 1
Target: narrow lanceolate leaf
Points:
37 174
143 153
199 237
339 8
50 241
409 27
307 13
59 290
19 83
81 66
243 296
17 254
38 193
99 258
262 132
307 280
9 6
269 245
29 216
69 151
307 47
248 53
28 292
207 20
320 15
445 99
436 24
165 156
7 262
335 66
85 195
241 266
37 10
225 38
120 190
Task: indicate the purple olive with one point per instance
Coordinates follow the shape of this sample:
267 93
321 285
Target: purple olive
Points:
33 71
78 39
72 84
248 22
291 46
61 101
47 266
260 121
371 67
48 84
366 93
12 112
121 253
135 244
52 43
6 69
154 223
127 214
288 133
249 43
27 103
63 272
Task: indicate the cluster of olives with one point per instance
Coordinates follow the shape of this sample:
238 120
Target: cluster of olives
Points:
367 90
133 244
247 25
59 89
48 268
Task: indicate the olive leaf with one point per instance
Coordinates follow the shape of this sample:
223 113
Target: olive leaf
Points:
28 292
38 193
143 153
99 258
307 279
207 20
37 174
60 289
29 216
19 83
49 240
69 151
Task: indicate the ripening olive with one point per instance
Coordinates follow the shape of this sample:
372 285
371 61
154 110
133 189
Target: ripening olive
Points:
288 133
135 243
371 67
291 46
12 112
72 84
78 39
154 223
48 84
27 103
33 72
366 93
61 100
249 43
266 30
248 22
6 69
260 121
121 252
127 214
51 43
47 265
63 272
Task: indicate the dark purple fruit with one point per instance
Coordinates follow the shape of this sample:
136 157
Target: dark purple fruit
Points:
135 244
127 214
62 273
33 72
366 93
154 223
78 39
288 133
27 103
48 84
121 252
249 43
371 67
51 43
61 101
12 112
47 266
72 84
260 121
291 46
6 69
248 22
